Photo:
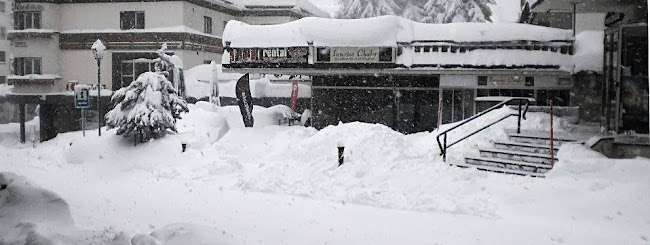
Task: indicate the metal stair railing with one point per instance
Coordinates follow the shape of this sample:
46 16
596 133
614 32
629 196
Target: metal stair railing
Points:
520 115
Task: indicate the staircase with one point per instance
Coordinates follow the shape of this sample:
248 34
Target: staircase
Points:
523 154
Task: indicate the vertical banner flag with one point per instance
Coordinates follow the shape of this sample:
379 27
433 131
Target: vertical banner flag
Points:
294 95
245 100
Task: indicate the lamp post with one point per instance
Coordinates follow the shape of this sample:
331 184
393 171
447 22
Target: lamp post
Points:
99 49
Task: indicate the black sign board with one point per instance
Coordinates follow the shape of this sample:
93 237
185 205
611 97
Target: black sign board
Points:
269 55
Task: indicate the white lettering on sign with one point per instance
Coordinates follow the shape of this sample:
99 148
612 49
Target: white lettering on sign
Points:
354 55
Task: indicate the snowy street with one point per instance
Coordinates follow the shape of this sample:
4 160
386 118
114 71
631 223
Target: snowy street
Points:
281 185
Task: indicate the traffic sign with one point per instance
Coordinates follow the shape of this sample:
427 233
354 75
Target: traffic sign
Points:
81 96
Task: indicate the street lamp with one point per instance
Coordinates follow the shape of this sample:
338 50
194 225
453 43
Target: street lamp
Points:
99 49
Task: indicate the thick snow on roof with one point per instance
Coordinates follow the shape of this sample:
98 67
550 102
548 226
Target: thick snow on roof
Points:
305 5
589 51
380 31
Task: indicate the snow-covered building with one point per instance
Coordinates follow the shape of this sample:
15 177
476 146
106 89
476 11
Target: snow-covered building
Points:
617 88
5 26
51 42
394 71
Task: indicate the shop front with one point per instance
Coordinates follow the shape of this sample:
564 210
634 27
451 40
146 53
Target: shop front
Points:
406 83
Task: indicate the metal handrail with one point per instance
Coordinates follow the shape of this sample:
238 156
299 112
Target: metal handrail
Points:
443 150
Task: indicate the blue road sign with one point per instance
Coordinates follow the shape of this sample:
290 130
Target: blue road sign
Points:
81 97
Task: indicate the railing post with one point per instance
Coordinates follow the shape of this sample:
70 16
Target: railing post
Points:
519 119
552 147
444 151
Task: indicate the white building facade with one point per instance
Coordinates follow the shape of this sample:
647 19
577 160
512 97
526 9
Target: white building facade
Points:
52 39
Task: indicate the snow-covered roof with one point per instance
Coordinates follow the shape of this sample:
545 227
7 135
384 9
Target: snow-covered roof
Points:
304 5
380 31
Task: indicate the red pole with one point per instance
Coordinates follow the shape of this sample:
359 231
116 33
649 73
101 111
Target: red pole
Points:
552 148
439 113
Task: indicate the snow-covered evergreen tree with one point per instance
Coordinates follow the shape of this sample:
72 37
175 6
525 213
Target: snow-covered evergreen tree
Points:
355 9
428 11
149 106
449 11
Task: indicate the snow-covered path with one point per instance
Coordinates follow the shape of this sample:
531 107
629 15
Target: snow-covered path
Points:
280 185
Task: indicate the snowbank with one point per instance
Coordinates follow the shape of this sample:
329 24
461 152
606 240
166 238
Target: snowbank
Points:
282 185
380 31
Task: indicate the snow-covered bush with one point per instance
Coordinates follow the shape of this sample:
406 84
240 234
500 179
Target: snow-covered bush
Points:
149 106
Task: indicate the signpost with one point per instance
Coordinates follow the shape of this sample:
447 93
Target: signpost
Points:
82 101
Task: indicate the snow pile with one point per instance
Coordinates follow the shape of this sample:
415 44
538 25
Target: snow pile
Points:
197 80
589 49
380 31
180 234
282 185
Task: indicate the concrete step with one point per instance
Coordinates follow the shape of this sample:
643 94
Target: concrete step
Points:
540 139
525 147
517 156
505 166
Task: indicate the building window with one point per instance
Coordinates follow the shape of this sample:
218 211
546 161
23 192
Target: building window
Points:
3 79
2 57
27 65
530 82
3 8
207 24
27 20
131 20
482 80
3 33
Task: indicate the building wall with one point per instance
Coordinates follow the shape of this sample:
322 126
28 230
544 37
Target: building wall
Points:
6 22
107 15
266 20
81 66
193 18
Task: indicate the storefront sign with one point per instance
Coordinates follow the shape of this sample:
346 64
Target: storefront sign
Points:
269 55
355 55
506 81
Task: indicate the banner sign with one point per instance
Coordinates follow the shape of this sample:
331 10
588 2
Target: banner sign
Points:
294 95
355 55
506 80
269 55
245 100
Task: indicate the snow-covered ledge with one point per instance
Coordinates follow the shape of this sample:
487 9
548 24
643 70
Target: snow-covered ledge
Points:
33 78
27 33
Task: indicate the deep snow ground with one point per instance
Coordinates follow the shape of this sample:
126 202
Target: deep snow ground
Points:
280 185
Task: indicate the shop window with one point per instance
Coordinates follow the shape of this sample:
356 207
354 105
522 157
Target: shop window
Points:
207 24
3 79
559 97
27 20
27 65
2 57
530 82
3 7
482 80
131 20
